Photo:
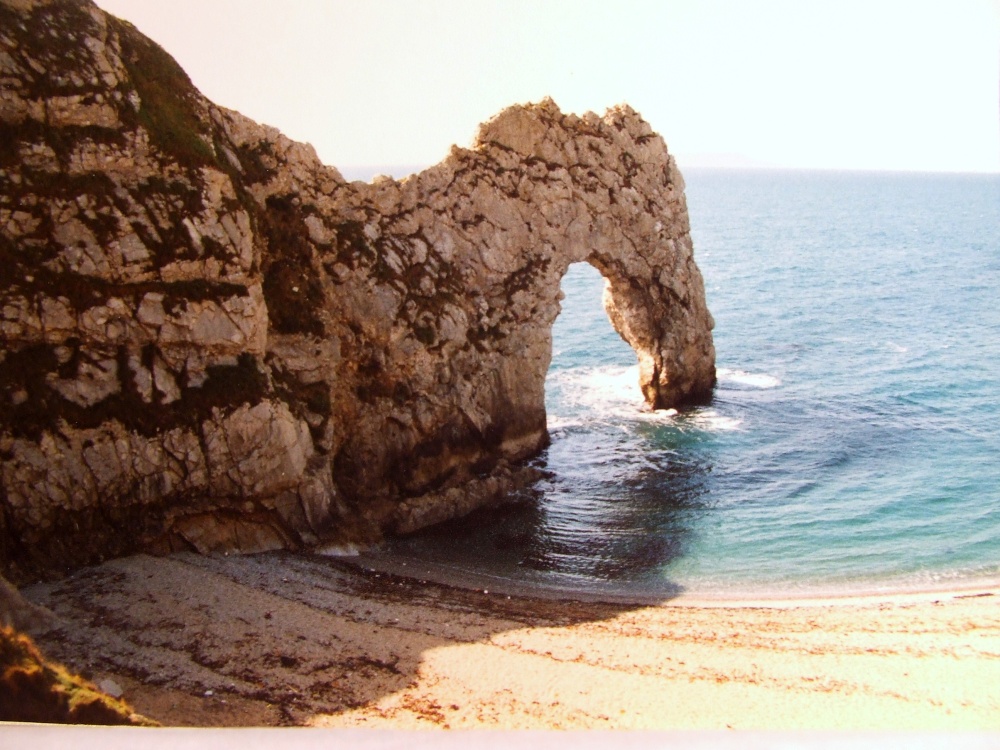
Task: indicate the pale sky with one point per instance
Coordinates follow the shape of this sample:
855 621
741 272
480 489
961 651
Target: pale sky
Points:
852 84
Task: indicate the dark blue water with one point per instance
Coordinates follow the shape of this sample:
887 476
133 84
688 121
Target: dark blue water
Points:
854 438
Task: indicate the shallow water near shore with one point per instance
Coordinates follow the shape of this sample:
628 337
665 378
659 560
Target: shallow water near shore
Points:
852 441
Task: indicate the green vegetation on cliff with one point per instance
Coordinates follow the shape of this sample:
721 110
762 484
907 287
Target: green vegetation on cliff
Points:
167 97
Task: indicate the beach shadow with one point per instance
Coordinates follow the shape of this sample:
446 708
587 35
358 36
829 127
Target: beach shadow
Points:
283 638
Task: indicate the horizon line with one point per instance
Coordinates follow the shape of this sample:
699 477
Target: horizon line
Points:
367 172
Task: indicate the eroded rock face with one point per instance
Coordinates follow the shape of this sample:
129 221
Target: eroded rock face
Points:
211 340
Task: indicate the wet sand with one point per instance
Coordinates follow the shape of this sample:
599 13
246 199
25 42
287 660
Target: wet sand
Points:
280 639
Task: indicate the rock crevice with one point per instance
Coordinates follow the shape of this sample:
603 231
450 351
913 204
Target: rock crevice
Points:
210 339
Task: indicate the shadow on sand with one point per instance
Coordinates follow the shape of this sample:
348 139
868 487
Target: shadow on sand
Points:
276 638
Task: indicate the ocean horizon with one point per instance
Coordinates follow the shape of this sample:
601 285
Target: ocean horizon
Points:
702 164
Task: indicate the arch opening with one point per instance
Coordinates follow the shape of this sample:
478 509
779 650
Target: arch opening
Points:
592 367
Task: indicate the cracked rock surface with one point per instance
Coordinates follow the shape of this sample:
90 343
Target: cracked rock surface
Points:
211 340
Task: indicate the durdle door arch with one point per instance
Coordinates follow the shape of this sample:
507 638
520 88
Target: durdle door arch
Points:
211 340
536 192
608 193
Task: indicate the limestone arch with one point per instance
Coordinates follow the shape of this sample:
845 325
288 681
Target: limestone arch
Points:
608 193
461 268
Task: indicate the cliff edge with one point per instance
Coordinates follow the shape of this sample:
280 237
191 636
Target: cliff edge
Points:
210 340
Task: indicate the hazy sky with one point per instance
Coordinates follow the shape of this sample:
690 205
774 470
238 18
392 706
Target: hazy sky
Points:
868 84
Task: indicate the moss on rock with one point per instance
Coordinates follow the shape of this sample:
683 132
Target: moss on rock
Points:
168 109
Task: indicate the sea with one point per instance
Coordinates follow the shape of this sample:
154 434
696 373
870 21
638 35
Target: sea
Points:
852 444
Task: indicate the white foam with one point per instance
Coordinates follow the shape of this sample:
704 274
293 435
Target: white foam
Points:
711 421
602 394
754 380
611 394
610 387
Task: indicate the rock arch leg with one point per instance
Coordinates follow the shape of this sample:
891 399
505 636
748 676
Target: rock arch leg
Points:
656 323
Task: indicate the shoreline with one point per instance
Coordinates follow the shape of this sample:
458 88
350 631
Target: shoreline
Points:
460 579
280 639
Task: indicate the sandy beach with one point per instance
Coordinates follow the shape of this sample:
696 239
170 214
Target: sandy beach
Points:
280 639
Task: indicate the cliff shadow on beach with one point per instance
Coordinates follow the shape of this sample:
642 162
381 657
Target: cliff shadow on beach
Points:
282 639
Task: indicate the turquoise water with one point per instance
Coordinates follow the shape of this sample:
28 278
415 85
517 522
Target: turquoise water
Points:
852 442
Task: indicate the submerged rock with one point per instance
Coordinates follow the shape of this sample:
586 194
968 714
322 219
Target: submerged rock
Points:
209 339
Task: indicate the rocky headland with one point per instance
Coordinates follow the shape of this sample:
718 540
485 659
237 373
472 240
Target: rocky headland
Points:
210 340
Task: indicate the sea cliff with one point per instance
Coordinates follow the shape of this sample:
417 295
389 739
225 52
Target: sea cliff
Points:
210 340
